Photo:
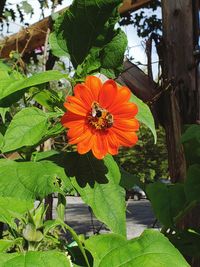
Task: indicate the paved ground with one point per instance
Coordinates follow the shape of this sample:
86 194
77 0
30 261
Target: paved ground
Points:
139 217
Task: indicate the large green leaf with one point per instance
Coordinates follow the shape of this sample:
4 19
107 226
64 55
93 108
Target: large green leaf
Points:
29 180
13 207
12 85
167 201
89 16
97 181
151 249
39 259
192 183
98 184
144 115
7 244
98 47
27 128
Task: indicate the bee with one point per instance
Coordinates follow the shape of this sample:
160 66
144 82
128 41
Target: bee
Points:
109 119
97 111
102 119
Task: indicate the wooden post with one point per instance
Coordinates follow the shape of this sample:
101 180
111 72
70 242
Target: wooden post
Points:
181 102
178 71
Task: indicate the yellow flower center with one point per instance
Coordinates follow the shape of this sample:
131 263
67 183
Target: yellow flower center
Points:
99 118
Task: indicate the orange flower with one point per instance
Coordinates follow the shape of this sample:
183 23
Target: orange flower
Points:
100 118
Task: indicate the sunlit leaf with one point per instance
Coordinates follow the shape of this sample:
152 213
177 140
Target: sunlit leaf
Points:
98 184
144 115
12 208
35 258
29 180
13 86
151 249
26 129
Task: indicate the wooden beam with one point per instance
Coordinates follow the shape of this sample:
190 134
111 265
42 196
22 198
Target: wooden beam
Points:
34 36
132 5
138 82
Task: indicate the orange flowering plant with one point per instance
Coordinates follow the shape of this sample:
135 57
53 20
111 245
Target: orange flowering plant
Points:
100 117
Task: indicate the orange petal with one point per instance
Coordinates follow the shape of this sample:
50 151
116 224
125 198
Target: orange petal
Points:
113 144
100 146
77 139
126 111
123 95
76 131
70 119
76 106
94 84
126 125
107 93
84 94
125 138
86 145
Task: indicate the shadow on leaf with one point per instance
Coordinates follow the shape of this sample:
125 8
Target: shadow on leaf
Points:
85 168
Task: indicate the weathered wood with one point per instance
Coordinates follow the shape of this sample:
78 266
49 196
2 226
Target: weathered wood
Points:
179 70
139 83
34 36
130 5
181 101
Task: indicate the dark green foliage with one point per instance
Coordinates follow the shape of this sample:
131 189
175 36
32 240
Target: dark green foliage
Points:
86 32
146 160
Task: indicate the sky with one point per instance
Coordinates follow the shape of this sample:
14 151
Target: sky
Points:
135 44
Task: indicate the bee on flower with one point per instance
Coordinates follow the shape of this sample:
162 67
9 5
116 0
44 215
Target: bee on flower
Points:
100 117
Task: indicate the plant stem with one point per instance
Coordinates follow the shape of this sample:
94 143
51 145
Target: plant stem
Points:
76 238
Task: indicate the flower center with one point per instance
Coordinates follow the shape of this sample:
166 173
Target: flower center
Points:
99 118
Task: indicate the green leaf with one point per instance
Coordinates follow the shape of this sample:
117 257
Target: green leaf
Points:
191 142
12 208
6 244
11 86
97 181
109 58
31 234
167 201
28 9
128 180
3 112
144 115
1 140
192 183
90 17
27 128
151 249
55 48
35 258
186 241
192 132
30 180
48 99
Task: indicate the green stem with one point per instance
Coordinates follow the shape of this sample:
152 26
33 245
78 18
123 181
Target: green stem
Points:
75 236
